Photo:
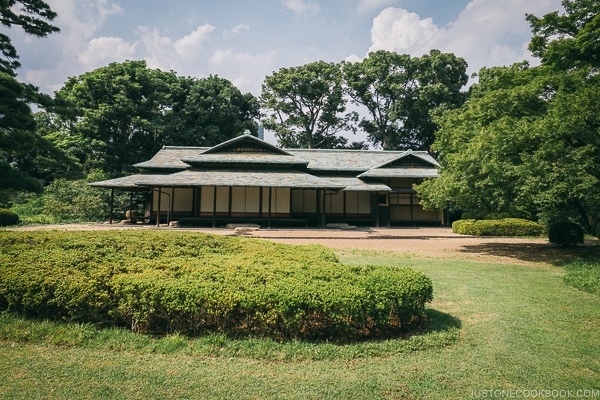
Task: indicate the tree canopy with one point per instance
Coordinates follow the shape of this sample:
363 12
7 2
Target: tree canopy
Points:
121 114
305 106
401 93
527 142
17 124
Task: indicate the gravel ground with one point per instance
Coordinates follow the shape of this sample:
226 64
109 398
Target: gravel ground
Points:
436 243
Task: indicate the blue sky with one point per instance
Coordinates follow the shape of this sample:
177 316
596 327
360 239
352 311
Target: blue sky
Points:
246 40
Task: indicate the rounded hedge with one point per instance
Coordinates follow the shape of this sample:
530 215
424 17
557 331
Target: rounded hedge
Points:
502 227
565 233
162 282
8 217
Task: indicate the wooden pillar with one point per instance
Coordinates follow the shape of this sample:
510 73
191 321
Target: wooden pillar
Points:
158 207
270 206
214 224
112 205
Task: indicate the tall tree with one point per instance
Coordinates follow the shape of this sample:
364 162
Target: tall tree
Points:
33 16
123 113
209 111
17 125
527 143
569 40
400 94
305 106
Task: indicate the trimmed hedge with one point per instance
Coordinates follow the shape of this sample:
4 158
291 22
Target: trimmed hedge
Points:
566 233
502 227
8 217
162 282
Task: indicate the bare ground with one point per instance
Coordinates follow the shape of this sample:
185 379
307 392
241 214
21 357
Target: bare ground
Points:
436 243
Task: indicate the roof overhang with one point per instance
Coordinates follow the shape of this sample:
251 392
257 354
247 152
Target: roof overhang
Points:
258 178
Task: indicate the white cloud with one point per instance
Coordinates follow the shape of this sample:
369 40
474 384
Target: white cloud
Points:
246 71
189 45
103 50
236 30
301 6
369 5
486 33
399 30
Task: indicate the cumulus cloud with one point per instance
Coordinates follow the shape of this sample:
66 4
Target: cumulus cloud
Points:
246 71
369 5
399 30
103 50
188 45
301 6
486 33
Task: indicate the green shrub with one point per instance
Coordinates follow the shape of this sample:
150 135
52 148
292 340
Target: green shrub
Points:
164 282
565 233
598 230
8 217
503 227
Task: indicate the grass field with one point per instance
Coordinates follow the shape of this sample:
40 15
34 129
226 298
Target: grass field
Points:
491 327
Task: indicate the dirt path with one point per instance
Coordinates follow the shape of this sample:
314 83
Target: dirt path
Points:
436 243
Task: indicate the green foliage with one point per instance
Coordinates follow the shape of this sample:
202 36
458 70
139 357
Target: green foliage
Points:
157 282
305 105
74 201
401 94
122 114
565 233
598 230
568 40
584 275
8 217
502 227
33 17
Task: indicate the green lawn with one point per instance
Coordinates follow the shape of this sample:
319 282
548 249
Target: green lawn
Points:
491 327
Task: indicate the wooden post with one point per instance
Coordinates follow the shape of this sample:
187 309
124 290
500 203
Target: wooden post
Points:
112 205
158 208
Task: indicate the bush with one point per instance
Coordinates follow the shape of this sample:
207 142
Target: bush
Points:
598 231
8 217
503 227
164 282
565 233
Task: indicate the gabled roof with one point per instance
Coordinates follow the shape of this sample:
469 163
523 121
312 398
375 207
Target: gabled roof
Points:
246 143
169 158
344 160
249 161
409 164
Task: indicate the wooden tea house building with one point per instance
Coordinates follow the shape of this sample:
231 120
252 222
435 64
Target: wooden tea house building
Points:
247 180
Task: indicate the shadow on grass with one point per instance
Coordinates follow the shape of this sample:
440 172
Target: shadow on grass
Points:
537 252
433 326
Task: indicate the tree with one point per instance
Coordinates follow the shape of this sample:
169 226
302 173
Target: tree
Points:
400 94
209 111
305 106
569 40
17 125
527 147
121 114
33 17
527 142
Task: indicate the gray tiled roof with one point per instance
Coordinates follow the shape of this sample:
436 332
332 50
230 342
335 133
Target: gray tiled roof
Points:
169 157
244 158
343 160
129 182
400 173
258 178
355 184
